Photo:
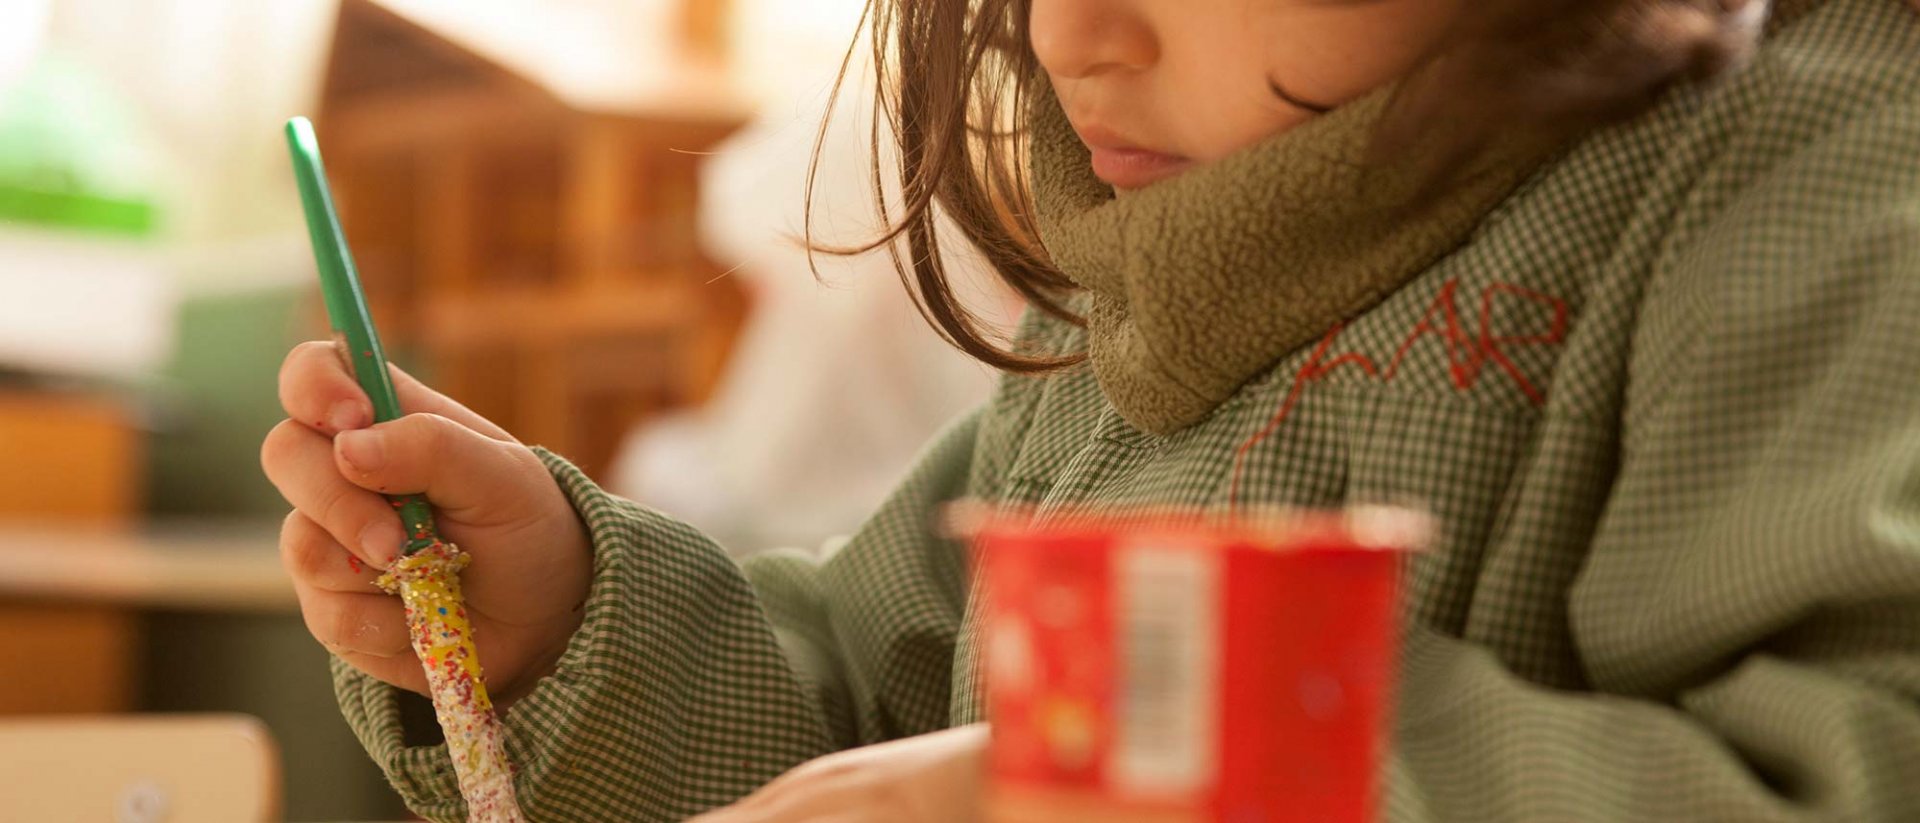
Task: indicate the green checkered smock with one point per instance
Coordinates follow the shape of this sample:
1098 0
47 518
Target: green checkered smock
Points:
1665 404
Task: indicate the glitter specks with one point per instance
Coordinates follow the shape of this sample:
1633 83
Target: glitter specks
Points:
428 581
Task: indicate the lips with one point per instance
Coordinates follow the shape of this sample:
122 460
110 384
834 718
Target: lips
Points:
1123 164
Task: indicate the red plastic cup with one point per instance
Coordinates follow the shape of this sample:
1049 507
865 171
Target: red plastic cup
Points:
1139 669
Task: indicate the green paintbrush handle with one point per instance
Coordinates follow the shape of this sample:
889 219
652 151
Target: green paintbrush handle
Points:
347 310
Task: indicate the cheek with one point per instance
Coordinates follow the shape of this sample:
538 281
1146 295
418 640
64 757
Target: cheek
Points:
1214 74
1220 119
1352 51
1331 53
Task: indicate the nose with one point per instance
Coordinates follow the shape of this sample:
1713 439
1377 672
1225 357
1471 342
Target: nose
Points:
1076 39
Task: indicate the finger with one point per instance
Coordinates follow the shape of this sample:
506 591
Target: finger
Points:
467 475
737 814
370 624
299 462
833 784
312 556
754 808
400 670
317 389
929 777
812 805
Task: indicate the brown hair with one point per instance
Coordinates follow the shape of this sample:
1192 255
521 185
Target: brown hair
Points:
952 79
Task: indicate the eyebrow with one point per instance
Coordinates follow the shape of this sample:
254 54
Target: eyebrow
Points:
1292 100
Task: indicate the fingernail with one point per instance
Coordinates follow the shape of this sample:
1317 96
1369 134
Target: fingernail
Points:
345 415
364 449
380 542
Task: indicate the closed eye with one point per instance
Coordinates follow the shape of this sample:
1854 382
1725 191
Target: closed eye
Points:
1294 101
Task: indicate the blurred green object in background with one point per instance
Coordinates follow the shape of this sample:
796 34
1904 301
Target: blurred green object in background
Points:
221 402
73 154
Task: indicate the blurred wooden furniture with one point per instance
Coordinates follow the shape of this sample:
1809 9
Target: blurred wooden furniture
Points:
139 768
531 244
70 459
227 573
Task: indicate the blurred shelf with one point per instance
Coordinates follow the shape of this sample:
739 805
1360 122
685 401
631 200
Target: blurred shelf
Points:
528 237
194 568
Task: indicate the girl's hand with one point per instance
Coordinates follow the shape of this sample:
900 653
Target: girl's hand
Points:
492 496
933 778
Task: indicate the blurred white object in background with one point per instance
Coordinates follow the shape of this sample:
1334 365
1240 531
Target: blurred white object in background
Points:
835 386
78 305
778 47
23 25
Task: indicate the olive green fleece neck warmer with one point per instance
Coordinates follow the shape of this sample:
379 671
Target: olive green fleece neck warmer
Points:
1202 282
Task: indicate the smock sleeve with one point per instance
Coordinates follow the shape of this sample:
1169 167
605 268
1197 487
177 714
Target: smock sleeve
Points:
693 680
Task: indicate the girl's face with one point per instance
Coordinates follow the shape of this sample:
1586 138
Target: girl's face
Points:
1156 86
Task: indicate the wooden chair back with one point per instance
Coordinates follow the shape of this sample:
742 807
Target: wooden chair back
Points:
138 768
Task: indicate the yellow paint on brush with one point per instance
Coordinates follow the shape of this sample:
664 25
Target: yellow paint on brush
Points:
428 582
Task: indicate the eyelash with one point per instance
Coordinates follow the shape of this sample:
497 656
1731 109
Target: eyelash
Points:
1295 101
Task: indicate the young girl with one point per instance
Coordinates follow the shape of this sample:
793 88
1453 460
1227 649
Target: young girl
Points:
1627 291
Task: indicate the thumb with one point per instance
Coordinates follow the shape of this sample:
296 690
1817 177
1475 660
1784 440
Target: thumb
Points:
467 475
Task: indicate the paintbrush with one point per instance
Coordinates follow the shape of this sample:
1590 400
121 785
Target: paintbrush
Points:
426 576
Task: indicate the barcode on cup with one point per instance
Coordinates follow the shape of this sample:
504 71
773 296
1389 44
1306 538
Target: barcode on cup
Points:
1168 609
